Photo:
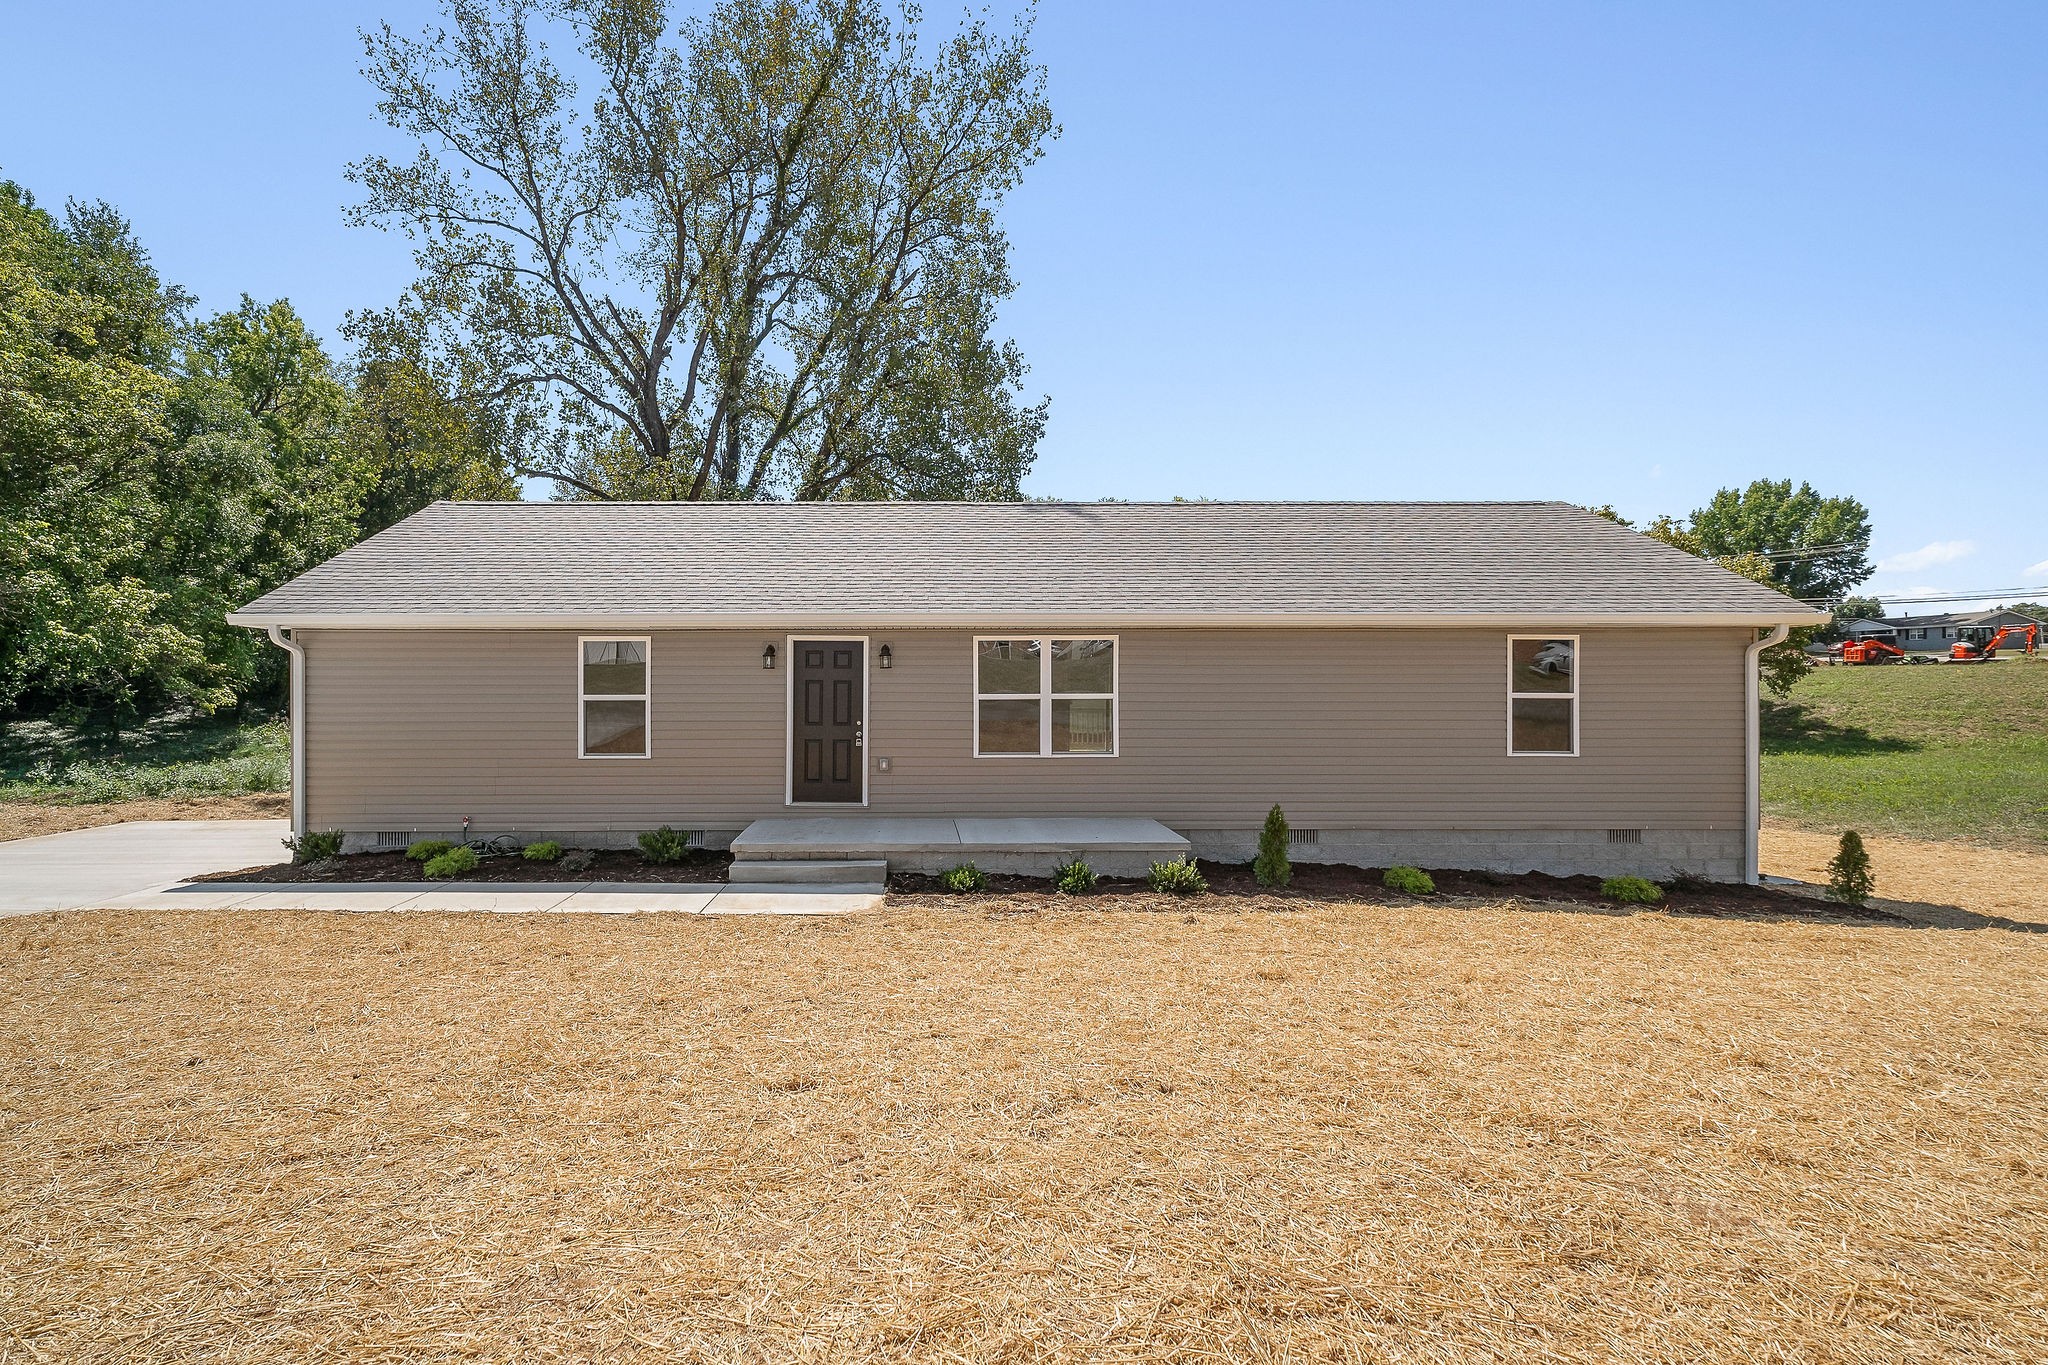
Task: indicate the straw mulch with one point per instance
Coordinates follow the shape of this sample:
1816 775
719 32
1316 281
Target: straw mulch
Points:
2004 882
26 819
1421 1133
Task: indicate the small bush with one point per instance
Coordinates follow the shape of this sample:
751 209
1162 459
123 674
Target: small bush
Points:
315 844
1178 878
546 851
1632 890
1850 880
964 878
664 845
1271 866
423 849
1409 881
1073 878
453 863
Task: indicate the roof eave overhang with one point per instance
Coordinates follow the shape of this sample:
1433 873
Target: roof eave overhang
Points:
1008 620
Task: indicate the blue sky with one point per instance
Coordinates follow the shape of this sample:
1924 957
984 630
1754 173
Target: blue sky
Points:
1602 252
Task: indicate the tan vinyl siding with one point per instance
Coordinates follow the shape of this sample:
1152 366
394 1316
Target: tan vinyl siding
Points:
1363 729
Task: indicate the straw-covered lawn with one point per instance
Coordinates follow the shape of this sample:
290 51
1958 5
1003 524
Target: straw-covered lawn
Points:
1427 1133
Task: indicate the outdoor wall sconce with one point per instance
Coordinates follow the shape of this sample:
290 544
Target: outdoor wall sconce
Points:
768 658
888 659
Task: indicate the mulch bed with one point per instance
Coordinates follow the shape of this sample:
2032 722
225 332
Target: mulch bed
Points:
703 865
1233 887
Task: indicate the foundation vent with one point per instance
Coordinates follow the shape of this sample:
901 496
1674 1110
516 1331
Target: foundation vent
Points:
1624 836
393 838
1303 836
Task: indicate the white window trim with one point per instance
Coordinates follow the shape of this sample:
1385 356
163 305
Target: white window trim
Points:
1578 661
789 719
646 698
1045 696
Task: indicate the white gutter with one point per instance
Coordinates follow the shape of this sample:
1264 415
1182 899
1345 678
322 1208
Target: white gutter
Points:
1008 619
1752 780
298 724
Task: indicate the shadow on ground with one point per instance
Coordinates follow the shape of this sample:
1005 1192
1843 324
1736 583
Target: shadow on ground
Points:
1790 727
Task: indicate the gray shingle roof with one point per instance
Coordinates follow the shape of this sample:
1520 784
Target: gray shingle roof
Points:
950 563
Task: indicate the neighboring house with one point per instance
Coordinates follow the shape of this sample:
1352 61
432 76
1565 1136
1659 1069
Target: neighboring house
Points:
1507 686
1934 634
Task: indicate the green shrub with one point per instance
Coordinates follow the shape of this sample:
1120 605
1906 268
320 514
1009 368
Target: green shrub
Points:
452 863
423 849
1409 881
1632 890
664 845
1073 878
1850 880
1178 878
1271 866
966 877
546 851
315 844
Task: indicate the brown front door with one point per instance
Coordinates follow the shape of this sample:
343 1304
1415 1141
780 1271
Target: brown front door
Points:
826 753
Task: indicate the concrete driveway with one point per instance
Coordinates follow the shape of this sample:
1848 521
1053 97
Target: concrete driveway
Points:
83 868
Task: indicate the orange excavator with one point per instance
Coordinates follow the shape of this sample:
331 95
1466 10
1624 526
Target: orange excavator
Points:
1970 652
1868 652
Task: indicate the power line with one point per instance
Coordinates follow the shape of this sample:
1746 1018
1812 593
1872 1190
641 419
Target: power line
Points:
1910 598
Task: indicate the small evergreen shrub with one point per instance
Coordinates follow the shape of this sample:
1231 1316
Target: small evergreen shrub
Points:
1632 890
1271 866
453 863
424 849
1073 878
964 878
664 845
546 851
1178 878
1409 881
315 844
1850 880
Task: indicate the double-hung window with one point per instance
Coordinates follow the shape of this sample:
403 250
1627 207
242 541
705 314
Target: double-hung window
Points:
612 697
1044 697
1543 694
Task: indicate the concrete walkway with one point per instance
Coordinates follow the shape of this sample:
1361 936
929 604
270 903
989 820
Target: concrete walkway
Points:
90 867
148 865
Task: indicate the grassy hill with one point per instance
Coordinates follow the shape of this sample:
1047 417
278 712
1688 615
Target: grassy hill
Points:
1930 752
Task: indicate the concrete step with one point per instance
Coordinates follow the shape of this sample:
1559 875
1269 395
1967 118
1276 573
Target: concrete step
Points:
789 870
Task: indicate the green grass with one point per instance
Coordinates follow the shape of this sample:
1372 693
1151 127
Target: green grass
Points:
1929 752
169 756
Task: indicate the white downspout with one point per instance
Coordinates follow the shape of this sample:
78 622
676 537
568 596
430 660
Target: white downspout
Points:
1752 768
298 725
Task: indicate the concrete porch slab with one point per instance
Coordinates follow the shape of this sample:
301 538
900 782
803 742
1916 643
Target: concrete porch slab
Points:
1071 834
832 836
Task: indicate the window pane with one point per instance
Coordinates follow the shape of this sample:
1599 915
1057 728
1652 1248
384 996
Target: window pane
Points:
1083 666
1542 726
1009 727
615 727
1008 666
1082 727
615 667
1541 666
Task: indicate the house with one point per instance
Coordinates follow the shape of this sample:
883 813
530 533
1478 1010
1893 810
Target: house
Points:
1504 686
1934 634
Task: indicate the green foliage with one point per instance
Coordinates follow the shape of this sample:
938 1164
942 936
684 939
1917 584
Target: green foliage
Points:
1178 878
1410 881
316 844
1929 752
1632 890
1271 867
1847 610
761 258
1849 876
1782 665
1818 544
426 850
453 863
1073 877
546 851
664 845
964 878
175 754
